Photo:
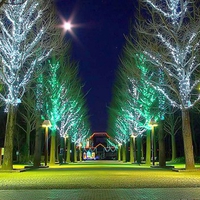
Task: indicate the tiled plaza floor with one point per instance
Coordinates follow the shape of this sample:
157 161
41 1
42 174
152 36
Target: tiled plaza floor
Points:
103 194
100 181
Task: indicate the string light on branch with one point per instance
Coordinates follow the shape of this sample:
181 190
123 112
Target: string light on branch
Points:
19 48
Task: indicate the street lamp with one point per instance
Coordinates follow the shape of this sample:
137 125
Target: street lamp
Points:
132 148
119 151
80 152
46 124
152 124
65 146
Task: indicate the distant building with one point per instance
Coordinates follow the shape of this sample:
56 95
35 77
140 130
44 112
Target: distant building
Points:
100 146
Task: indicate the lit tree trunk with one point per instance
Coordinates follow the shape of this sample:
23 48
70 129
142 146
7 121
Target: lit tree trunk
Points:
75 153
139 149
80 154
187 140
61 153
155 146
64 152
8 143
173 143
68 159
148 147
57 147
131 150
161 141
53 148
38 141
119 153
142 150
124 152
134 150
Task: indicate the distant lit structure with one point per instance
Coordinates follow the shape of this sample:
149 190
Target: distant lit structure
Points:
99 147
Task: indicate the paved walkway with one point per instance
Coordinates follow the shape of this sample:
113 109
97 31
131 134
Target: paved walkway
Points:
103 194
100 181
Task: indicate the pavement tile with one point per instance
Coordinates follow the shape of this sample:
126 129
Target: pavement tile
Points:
103 194
100 181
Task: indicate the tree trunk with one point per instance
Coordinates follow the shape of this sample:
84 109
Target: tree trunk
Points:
161 141
138 149
8 143
80 154
134 150
124 152
38 141
61 152
28 130
75 153
155 146
131 150
68 159
173 143
64 152
148 147
119 152
53 148
193 136
187 140
142 149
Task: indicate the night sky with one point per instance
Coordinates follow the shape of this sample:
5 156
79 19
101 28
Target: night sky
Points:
97 45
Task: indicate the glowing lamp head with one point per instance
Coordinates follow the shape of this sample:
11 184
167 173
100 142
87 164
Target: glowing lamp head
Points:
46 123
153 123
67 26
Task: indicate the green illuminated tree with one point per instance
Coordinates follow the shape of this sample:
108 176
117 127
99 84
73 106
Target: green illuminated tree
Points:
38 110
53 102
137 104
64 101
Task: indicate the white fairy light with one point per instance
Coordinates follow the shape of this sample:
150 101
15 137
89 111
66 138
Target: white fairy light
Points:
180 60
19 53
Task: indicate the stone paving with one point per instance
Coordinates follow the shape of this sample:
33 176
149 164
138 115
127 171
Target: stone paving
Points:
103 194
99 182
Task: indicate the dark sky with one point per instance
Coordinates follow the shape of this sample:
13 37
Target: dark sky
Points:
97 46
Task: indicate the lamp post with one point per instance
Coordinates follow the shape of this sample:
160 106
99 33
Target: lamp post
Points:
119 151
80 152
46 124
152 124
65 147
132 148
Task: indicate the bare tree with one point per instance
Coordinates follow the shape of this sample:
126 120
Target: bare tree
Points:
172 125
169 36
25 42
28 115
11 2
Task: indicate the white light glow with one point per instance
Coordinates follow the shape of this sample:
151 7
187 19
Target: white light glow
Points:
67 26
